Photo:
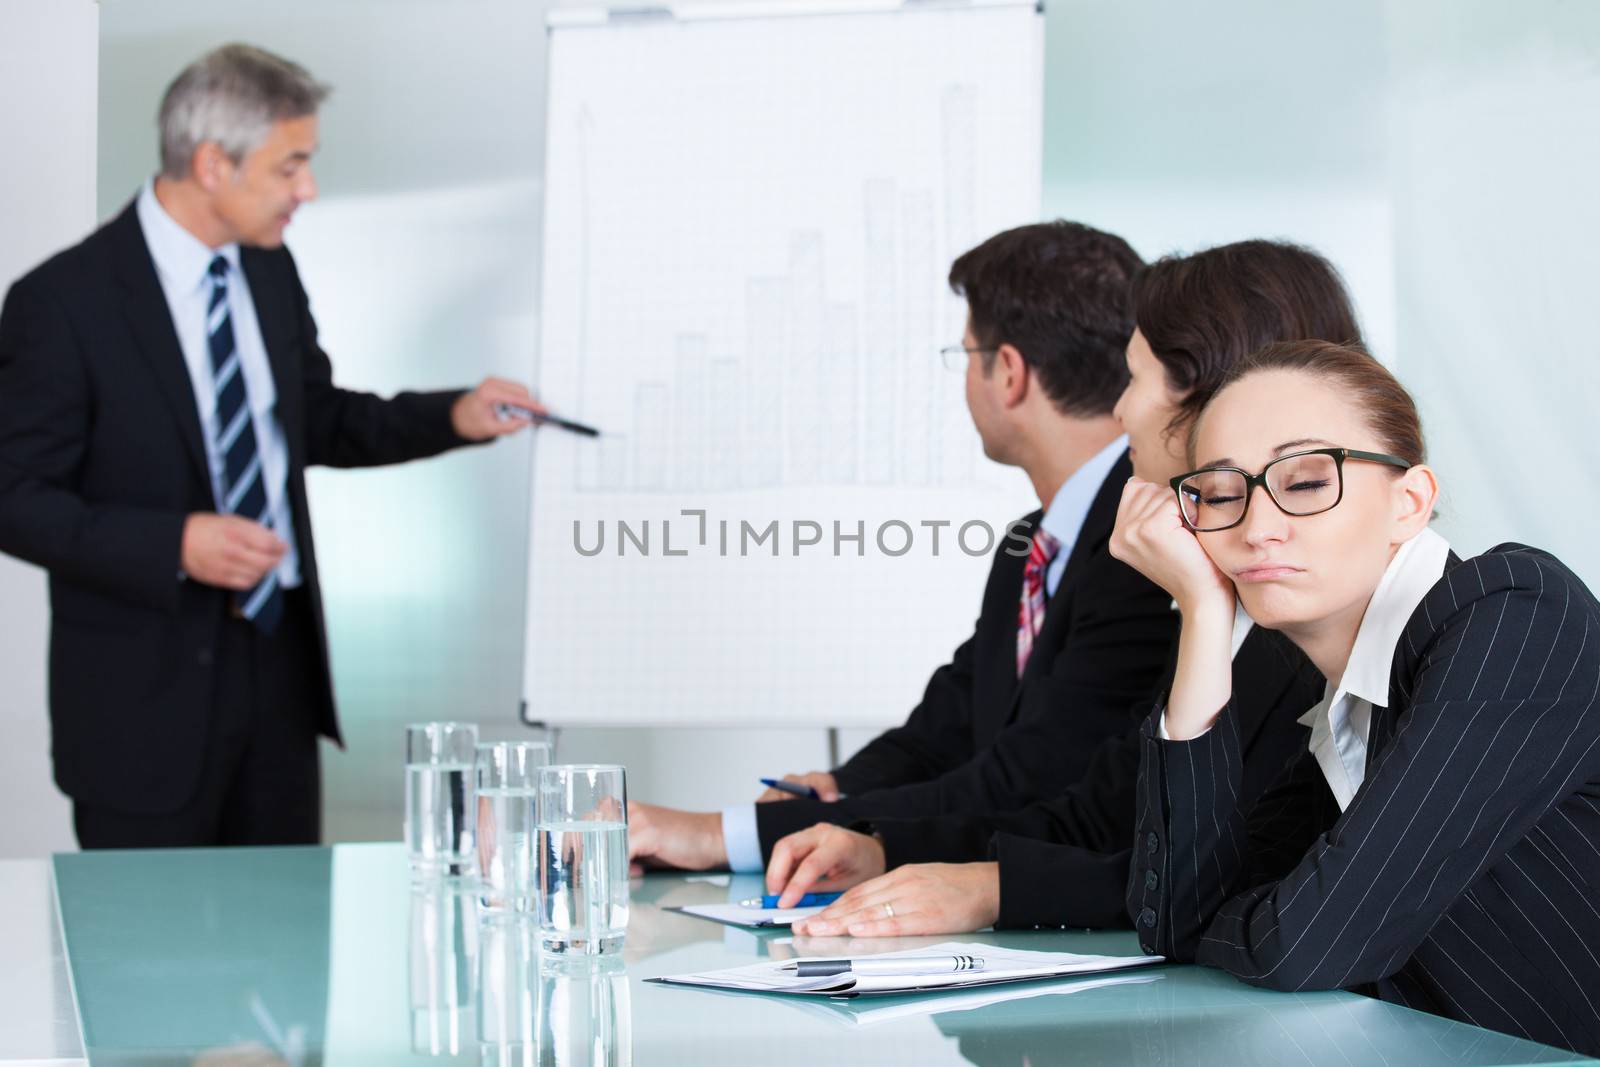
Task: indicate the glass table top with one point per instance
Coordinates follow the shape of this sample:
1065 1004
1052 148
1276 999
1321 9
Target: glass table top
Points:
309 956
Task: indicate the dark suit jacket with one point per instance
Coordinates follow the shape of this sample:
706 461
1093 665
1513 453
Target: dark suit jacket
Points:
1463 878
101 460
984 740
1064 861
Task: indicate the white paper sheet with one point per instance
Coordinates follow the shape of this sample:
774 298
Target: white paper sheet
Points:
1000 965
856 1013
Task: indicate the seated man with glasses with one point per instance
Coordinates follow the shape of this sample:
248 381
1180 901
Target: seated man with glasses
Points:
1067 638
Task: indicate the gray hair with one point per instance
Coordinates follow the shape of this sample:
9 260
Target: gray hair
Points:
232 96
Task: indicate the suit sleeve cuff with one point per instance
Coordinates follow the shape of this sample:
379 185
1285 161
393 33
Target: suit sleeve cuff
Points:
741 840
847 780
1045 884
1161 729
449 398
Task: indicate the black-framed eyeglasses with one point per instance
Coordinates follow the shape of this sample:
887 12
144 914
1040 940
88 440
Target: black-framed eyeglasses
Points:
955 356
1300 484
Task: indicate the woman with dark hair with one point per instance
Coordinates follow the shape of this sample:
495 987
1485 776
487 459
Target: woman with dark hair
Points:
1065 861
1198 316
1437 841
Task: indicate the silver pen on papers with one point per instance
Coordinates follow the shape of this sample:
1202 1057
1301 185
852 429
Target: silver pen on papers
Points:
885 967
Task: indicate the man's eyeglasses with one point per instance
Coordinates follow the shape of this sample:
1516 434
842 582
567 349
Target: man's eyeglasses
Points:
955 356
1301 483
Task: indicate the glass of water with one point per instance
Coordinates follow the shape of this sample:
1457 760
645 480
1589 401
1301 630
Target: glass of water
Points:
508 792
441 815
582 859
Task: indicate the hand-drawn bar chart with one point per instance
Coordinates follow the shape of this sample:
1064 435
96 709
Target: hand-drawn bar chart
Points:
745 286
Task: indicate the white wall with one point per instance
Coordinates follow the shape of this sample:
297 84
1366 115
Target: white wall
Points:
1181 126
1495 144
47 78
1442 153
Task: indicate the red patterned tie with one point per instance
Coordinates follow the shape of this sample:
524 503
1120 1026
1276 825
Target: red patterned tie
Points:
1030 615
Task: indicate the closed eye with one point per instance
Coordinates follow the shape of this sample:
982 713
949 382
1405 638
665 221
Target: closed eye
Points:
1309 485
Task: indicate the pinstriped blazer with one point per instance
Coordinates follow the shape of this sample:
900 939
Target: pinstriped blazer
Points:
1464 879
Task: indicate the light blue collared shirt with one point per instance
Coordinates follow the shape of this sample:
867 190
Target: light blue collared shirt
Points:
183 265
1063 520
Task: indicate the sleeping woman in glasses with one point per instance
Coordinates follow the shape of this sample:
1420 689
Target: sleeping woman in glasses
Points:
1437 842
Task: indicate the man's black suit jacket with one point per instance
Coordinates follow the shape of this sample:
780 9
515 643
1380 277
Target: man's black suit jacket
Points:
1064 861
101 460
984 740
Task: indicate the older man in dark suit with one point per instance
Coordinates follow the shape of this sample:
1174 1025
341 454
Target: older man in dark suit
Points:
161 395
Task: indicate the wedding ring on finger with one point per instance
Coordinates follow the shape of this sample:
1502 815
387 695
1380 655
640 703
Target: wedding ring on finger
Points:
888 910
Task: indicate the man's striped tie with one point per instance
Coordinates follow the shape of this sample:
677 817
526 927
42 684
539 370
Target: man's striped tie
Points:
244 491
1030 613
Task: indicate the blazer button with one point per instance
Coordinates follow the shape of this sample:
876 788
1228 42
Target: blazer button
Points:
1147 917
1151 881
204 657
1152 842
1149 949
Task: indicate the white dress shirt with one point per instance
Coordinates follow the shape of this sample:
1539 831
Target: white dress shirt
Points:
183 265
1339 723
1340 720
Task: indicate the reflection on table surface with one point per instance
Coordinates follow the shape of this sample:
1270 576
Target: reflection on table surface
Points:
333 956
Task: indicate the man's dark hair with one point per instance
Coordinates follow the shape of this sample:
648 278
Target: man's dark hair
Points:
1058 292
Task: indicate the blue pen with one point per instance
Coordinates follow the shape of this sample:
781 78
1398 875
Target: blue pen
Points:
810 900
789 787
